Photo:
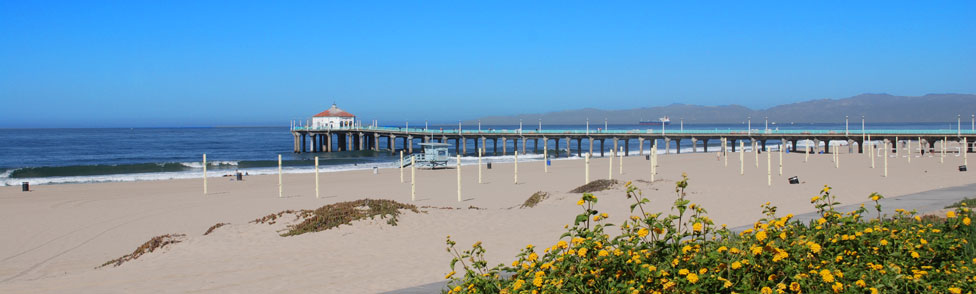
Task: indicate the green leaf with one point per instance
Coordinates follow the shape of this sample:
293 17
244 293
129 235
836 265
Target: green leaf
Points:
579 219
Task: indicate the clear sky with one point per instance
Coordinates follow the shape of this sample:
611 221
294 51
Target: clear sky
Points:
209 63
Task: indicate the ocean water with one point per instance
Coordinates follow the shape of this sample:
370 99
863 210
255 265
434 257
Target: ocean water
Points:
52 156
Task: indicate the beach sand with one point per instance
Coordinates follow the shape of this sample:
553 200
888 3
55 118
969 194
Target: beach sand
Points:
53 237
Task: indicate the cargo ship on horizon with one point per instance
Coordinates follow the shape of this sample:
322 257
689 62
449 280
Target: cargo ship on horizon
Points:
659 122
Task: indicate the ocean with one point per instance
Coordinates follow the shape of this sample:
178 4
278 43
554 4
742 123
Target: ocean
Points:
84 155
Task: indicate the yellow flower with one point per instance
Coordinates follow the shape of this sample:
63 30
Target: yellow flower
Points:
577 240
596 218
533 256
875 197
795 287
683 272
756 250
603 253
883 242
766 290
821 221
702 271
580 202
814 247
826 276
860 283
562 244
685 249
837 287
914 254
736 265
950 214
518 284
761 235
780 255
873 290
966 221
448 276
582 252
642 232
955 290
814 199
692 278
918 219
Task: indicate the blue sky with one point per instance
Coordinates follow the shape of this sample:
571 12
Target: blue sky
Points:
209 63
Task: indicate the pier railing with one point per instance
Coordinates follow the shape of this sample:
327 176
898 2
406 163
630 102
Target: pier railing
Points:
945 132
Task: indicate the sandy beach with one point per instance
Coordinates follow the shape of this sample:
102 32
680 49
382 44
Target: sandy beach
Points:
54 237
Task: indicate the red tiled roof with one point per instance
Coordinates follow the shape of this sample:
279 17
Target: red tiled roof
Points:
333 112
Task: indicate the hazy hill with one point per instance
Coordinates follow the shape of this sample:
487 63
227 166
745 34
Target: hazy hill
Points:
876 107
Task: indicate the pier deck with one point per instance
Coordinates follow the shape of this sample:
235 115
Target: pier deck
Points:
386 138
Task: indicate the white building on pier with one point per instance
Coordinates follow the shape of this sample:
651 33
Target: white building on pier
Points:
333 118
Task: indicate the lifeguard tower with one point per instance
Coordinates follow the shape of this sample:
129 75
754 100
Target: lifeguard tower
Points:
435 154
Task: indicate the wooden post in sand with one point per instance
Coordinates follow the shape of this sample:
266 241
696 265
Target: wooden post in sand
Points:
479 164
837 156
872 152
612 153
316 177
896 147
909 151
516 166
459 176
942 156
280 192
621 161
401 166
586 179
805 158
413 178
653 161
782 148
545 160
769 169
742 158
204 174
885 159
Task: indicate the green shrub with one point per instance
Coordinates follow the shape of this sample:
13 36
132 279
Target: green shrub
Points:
684 252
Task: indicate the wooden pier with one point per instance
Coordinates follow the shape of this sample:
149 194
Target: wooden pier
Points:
597 142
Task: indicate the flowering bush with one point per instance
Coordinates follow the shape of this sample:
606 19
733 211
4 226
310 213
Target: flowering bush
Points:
684 252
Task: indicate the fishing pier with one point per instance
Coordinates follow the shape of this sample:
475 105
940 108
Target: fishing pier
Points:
568 142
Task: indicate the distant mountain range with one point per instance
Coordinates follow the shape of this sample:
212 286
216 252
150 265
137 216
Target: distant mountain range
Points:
875 107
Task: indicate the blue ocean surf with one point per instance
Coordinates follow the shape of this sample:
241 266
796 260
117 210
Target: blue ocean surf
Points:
49 156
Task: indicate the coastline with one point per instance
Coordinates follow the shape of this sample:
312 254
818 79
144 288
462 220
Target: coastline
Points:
58 233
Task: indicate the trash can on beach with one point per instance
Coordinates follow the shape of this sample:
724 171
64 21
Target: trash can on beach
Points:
489 165
25 186
240 177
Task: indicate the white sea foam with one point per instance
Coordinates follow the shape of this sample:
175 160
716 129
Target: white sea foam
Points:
199 164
